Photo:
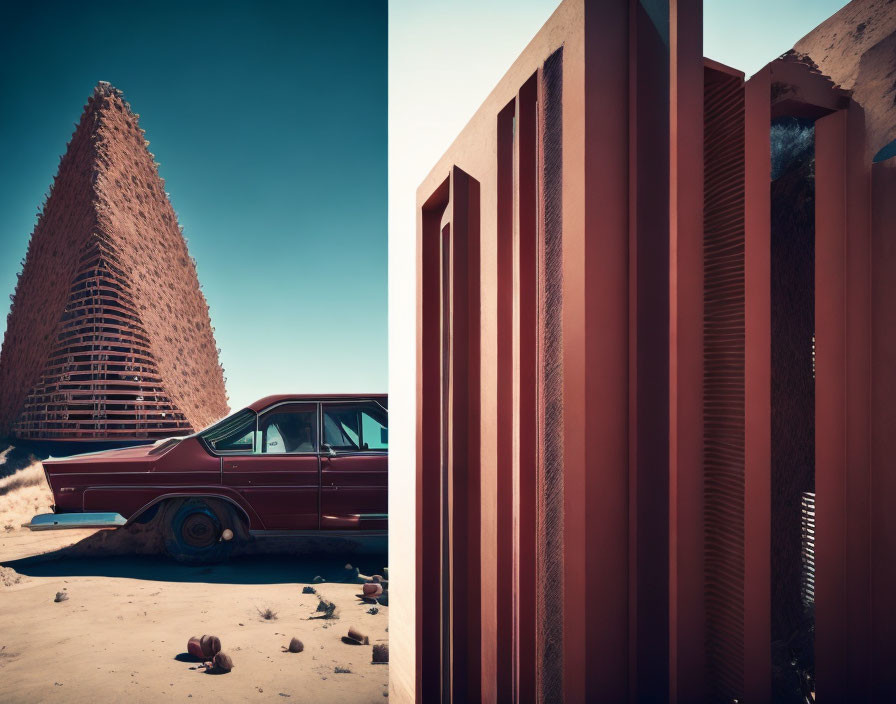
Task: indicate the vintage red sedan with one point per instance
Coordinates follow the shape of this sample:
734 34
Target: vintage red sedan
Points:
285 465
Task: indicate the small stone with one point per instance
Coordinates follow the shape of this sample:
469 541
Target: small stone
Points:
223 662
372 590
210 645
356 635
380 653
296 646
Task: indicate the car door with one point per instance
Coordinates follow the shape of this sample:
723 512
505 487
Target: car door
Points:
354 466
279 475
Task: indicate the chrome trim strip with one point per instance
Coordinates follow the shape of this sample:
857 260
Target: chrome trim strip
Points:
318 533
62 521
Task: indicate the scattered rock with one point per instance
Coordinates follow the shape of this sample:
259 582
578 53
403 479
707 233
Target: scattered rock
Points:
61 596
204 648
373 610
326 607
308 590
356 635
341 670
296 646
380 653
372 590
222 663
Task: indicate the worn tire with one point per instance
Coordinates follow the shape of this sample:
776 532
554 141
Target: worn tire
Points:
193 527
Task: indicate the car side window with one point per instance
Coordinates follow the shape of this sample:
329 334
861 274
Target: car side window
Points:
288 429
374 428
355 427
235 434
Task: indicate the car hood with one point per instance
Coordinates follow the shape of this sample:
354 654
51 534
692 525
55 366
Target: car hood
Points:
123 453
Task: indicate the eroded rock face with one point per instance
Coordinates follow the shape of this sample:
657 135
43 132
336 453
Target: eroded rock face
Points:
856 48
109 335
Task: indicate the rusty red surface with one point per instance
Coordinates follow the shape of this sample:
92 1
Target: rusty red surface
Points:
883 420
109 336
723 380
639 534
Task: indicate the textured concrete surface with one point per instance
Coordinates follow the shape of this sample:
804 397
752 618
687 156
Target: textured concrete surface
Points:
856 47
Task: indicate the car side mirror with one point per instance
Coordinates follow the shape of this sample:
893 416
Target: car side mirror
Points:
330 451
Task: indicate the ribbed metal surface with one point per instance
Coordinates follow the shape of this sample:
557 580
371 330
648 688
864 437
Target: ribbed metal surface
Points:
101 379
807 526
723 395
550 481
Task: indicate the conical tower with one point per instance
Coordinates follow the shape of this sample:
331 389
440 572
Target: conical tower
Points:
109 336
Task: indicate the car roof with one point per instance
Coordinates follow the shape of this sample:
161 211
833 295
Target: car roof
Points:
263 403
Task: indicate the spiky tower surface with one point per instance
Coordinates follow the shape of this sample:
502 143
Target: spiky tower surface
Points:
109 336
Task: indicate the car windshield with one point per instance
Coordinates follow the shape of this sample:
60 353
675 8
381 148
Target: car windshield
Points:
234 433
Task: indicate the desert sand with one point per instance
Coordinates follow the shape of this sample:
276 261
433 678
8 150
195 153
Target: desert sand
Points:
121 631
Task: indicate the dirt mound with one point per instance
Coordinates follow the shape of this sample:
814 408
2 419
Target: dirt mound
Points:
9 576
22 495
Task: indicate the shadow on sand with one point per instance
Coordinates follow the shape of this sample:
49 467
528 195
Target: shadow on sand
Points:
130 555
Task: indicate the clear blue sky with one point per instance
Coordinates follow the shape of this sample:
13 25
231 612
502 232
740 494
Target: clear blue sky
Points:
748 34
269 121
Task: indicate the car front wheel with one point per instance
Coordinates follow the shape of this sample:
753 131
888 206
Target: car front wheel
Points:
194 530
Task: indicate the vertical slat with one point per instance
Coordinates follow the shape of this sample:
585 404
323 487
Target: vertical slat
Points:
606 367
650 375
757 396
883 419
830 405
427 589
723 382
525 344
463 503
686 207
858 404
507 583
553 597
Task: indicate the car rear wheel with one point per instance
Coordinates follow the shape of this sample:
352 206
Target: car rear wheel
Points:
194 530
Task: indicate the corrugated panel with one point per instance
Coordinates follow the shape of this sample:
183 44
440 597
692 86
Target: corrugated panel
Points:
723 394
807 526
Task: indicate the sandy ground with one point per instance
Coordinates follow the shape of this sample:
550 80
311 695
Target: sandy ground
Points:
121 635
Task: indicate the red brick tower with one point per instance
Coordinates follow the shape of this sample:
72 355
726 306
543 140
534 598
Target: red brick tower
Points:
109 336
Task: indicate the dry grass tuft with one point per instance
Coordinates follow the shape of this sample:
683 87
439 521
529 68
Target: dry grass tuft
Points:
267 613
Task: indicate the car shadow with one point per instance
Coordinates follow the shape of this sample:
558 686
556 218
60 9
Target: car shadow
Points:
263 561
267 569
